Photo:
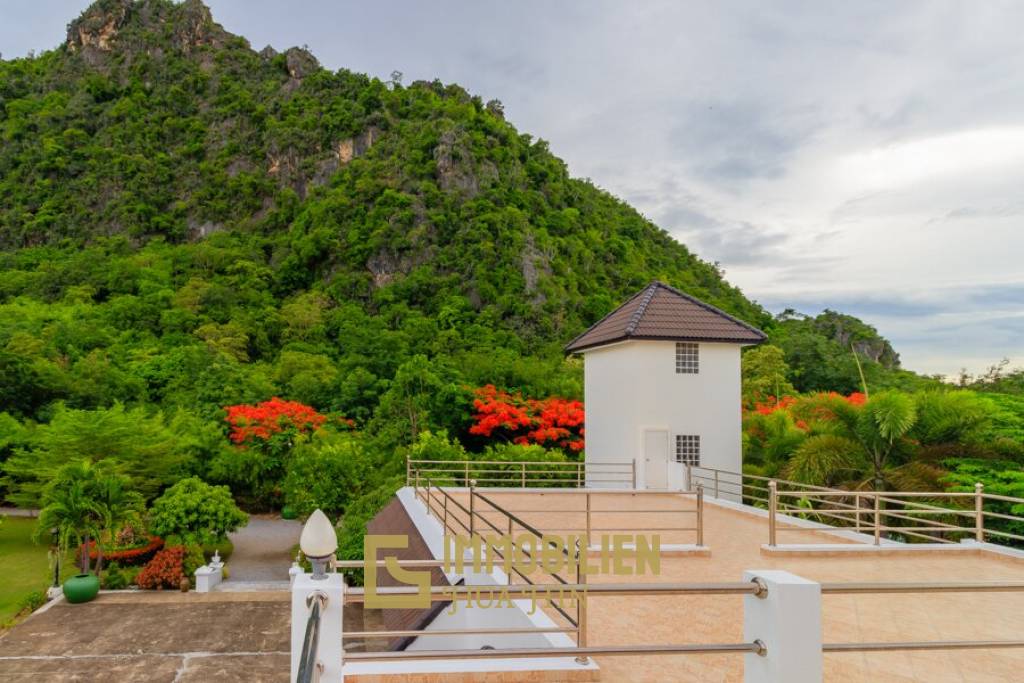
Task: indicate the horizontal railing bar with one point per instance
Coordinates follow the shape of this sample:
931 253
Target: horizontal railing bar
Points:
629 530
1000 497
361 564
924 645
361 635
997 515
515 519
933 523
517 591
920 587
605 651
523 462
1004 534
605 512
872 494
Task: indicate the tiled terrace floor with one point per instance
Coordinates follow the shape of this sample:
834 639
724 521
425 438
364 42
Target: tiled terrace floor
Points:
735 539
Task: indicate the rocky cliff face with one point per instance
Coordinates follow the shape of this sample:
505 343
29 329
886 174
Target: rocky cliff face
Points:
108 25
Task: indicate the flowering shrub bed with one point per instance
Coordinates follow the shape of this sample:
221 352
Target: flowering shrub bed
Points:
127 556
165 570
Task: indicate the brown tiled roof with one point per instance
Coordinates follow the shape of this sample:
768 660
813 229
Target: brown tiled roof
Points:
663 312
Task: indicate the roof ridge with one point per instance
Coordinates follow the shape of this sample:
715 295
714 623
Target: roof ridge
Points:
645 301
603 318
713 309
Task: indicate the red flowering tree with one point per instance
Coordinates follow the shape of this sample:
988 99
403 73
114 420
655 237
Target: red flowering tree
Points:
265 434
552 421
262 422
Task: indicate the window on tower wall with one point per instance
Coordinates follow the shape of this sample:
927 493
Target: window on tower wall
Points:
687 358
688 449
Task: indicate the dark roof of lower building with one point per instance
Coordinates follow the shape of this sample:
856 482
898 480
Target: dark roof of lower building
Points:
394 519
662 312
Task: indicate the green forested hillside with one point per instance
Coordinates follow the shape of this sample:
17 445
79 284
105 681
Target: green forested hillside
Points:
187 221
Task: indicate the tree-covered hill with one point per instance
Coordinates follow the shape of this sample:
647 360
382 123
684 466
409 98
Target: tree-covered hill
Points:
188 223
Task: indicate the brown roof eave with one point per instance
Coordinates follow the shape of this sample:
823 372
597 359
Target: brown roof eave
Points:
709 340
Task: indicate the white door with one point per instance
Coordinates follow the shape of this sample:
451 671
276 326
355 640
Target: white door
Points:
656 458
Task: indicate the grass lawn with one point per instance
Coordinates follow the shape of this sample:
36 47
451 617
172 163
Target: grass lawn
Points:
23 565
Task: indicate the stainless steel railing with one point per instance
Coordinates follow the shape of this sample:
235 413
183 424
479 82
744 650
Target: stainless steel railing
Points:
529 590
310 668
522 473
921 516
581 651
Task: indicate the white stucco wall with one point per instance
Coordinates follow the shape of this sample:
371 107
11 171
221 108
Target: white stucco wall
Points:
633 386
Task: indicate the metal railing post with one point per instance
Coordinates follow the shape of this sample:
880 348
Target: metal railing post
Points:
700 514
444 507
588 519
773 501
979 512
579 475
716 483
523 477
634 473
408 471
688 473
856 501
472 496
426 498
466 479
581 600
511 549
878 520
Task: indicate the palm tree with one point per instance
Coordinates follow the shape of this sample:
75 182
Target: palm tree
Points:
877 445
70 509
84 501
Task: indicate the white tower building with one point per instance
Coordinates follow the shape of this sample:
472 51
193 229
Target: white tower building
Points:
662 388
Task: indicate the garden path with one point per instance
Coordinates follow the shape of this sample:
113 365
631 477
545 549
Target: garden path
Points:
263 549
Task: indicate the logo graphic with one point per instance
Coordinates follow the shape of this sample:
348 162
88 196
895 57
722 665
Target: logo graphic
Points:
420 579
618 554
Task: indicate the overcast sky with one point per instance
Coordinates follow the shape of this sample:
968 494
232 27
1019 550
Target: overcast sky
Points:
866 157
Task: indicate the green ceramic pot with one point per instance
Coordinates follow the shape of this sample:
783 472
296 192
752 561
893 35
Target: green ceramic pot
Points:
81 588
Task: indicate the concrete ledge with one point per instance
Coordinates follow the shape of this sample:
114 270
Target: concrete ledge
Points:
839 549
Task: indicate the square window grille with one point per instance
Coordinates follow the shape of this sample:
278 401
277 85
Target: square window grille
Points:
688 449
687 358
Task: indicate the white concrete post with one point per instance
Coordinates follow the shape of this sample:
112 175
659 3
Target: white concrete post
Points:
788 621
329 652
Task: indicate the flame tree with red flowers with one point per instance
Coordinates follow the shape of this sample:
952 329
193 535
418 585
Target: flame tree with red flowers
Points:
264 435
551 422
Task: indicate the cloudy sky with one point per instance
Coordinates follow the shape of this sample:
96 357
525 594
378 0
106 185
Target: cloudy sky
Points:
866 156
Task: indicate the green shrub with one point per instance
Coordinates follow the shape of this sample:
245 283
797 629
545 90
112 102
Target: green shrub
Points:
31 602
327 472
360 511
193 560
116 577
195 512
224 548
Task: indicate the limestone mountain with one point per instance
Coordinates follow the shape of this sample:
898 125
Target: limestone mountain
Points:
172 200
